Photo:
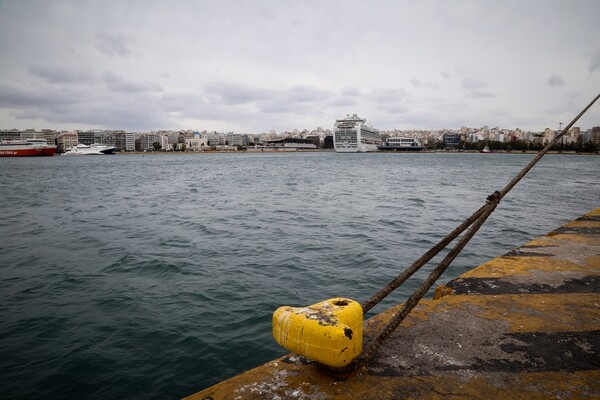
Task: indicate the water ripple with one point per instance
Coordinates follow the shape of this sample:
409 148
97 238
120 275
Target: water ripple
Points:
115 288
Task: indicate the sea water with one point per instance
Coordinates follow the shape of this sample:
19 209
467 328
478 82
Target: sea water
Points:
156 276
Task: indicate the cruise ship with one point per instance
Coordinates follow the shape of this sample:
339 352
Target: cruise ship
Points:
401 144
352 135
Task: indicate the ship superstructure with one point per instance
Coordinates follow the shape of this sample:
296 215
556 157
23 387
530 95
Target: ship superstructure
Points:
401 144
353 135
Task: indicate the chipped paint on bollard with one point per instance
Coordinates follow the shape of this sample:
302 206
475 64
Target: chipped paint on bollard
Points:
329 332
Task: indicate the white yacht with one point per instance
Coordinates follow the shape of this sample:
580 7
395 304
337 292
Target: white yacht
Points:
352 135
95 149
401 144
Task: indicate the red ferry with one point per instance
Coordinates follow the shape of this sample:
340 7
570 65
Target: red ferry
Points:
26 148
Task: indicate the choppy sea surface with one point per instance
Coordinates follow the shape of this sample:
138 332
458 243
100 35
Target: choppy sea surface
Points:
156 276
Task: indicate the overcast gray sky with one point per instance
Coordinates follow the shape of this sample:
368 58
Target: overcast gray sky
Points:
252 66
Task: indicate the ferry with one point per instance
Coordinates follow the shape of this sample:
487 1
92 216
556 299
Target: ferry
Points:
89 150
352 135
401 144
26 148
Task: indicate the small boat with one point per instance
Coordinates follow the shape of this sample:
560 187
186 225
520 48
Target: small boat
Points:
486 149
95 149
26 148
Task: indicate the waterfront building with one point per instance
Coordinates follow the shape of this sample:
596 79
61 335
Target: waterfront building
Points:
451 140
106 138
146 141
215 139
31 134
315 139
475 137
328 142
195 144
237 139
595 135
66 140
549 135
10 134
50 136
125 141
86 137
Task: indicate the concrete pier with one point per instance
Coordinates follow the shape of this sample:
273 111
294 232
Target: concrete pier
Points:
525 325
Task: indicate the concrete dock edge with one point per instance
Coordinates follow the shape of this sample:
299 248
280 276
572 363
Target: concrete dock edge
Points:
525 325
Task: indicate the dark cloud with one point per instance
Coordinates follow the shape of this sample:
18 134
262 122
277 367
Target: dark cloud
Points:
119 58
113 44
133 115
555 81
14 97
73 105
295 99
62 74
117 84
233 94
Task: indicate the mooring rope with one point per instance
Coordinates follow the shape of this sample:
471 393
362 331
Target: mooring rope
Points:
473 223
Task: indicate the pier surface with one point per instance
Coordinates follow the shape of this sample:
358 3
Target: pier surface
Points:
525 325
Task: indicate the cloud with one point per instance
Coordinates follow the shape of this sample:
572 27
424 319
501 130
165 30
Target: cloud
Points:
480 94
233 94
113 44
342 102
472 83
55 74
15 97
389 95
81 105
595 61
117 84
394 101
555 81
284 66
424 83
350 91
298 100
302 94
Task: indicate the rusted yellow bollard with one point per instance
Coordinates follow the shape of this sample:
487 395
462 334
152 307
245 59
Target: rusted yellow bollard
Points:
329 332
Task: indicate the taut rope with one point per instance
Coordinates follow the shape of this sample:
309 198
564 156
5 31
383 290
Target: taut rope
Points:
473 223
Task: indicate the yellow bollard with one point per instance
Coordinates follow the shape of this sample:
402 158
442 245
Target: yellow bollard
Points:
329 332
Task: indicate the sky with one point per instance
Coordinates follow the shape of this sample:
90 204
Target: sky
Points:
253 66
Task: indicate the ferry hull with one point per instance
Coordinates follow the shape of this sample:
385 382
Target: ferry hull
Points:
363 148
35 152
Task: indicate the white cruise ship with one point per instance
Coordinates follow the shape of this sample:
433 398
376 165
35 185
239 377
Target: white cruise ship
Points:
352 135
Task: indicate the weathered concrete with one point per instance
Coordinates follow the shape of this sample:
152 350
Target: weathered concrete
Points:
522 326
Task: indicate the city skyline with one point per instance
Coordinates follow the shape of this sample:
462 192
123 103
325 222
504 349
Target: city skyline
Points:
259 66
